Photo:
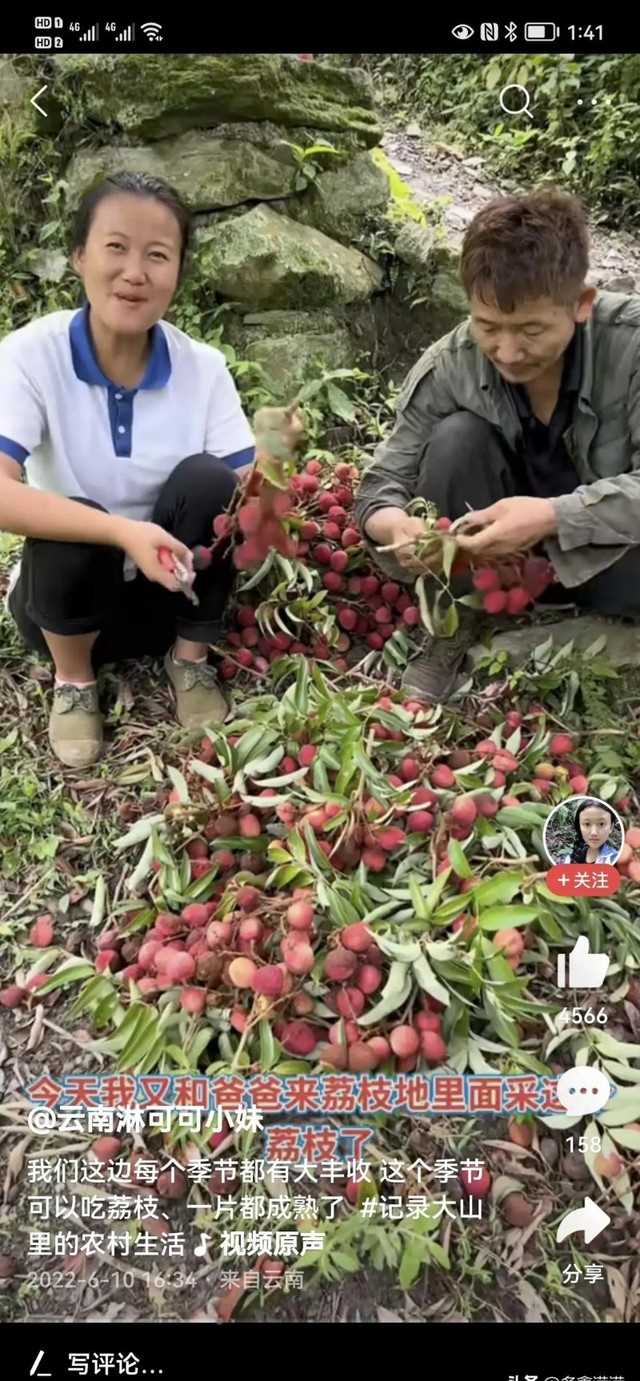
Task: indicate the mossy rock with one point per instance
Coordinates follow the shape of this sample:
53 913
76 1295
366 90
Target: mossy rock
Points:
155 96
343 198
293 347
447 305
266 260
210 172
424 249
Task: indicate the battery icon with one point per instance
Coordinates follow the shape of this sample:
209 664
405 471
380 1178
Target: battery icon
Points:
540 33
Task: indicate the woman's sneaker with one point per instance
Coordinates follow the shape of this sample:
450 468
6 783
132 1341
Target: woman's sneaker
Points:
199 700
75 725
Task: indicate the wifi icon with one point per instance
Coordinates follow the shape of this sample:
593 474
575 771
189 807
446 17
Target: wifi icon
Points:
153 32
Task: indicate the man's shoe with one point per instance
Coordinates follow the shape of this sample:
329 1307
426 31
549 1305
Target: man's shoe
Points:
433 674
75 725
199 700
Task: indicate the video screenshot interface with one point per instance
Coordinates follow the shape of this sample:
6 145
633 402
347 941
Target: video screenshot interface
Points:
320 667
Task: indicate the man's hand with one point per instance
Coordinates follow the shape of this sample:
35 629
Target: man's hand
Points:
143 542
508 526
390 526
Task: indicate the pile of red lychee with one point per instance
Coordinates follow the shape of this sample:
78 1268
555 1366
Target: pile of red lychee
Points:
509 587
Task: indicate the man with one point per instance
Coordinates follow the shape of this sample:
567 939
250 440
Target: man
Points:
529 414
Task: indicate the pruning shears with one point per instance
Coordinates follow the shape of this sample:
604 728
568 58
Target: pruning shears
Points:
171 563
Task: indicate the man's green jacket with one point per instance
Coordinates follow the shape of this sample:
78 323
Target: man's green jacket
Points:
600 520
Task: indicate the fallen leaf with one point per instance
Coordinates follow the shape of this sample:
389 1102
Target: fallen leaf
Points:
535 1308
36 1033
15 1163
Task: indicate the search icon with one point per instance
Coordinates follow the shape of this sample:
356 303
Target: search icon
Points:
522 109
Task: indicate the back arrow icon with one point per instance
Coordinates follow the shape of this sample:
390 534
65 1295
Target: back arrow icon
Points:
34 101
591 1220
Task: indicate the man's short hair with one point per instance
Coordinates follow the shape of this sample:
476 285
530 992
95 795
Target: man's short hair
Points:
521 248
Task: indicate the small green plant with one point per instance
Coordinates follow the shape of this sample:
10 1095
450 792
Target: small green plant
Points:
309 162
324 398
402 203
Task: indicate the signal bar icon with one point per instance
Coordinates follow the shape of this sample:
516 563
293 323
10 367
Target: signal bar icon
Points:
90 35
127 35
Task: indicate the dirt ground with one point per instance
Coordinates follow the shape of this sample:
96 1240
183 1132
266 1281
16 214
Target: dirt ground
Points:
434 170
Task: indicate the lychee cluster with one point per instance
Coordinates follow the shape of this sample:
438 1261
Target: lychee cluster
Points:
510 587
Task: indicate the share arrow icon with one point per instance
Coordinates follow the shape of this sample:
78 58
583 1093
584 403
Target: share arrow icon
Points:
591 1220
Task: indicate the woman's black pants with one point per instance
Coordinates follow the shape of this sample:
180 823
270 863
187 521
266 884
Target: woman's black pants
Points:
79 587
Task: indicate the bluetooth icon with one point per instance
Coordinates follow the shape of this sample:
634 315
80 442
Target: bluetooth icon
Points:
511 32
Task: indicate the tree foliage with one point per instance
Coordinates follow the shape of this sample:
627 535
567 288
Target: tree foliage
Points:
585 126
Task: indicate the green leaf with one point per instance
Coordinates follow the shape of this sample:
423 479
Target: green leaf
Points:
297 848
427 980
283 877
268 1049
179 785
396 991
138 832
258 766
70 972
502 917
404 950
629 1138
458 859
255 738
438 1253
425 612
99 900
412 1260
340 404
625 1107
497 889
521 817
451 909
447 623
449 550
199 1044
421 910
317 857
347 1259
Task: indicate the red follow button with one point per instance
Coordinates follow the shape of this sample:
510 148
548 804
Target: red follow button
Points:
583 880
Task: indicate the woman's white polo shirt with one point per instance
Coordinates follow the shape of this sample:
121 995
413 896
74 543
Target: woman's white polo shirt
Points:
79 434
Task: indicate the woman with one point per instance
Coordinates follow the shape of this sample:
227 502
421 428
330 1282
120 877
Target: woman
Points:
131 437
593 823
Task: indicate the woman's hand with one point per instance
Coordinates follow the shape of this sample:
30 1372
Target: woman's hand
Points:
143 543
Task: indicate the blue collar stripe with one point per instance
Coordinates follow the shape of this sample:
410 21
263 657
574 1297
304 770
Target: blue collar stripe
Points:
87 369
13 449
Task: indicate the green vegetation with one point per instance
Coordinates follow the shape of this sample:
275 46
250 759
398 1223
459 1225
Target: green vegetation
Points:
585 130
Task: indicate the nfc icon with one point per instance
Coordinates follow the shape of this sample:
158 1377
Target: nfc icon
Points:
490 33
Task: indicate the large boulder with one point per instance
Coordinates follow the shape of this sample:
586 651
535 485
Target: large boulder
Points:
154 96
266 260
212 172
343 198
292 347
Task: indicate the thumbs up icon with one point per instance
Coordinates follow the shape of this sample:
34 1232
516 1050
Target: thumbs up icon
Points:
585 970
